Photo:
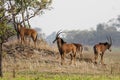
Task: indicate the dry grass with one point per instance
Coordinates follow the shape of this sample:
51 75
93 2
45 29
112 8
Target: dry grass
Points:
45 59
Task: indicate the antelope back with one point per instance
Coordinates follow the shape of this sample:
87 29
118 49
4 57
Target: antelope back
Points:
69 48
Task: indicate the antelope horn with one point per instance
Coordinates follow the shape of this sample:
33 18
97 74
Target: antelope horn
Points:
58 33
17 20
110 40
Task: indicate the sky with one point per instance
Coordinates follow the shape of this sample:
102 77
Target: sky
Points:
76 15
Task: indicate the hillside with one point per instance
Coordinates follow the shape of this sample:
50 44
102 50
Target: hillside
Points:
21 59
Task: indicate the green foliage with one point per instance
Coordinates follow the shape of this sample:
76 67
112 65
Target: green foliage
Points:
34 5
5 31
3 28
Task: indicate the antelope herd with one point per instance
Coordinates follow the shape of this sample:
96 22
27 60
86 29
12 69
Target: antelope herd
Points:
65 48
73 48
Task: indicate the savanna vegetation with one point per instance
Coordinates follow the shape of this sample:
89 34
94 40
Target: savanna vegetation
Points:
25 62
14 11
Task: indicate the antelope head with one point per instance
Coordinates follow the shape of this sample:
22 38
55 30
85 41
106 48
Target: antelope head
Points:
57 36
109 43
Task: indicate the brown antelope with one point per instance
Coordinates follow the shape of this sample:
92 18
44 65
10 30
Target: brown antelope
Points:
100 48
27 32
79 49
65 48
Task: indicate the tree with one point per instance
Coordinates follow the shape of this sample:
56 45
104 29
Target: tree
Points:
100 27
12 10
5 32
24 10
27 9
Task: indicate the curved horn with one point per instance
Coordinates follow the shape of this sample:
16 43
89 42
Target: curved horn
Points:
109 39
58 33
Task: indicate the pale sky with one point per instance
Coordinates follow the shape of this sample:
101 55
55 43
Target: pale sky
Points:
76 15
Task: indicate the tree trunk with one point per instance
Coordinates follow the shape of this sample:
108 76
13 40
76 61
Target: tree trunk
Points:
1 74
28 23
23 19
27 13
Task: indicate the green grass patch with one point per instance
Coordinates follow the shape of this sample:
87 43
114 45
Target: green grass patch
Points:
58 76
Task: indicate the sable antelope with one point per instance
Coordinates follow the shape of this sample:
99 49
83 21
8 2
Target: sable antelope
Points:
65 48
27 32
100 48
79 49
